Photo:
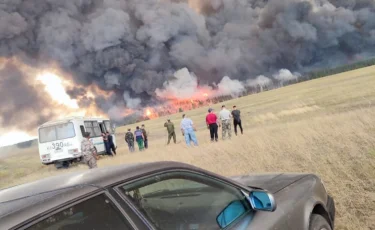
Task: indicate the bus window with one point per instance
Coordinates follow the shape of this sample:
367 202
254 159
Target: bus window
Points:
47 134
108 126
102 128
56 132
65 131
96 128
89 128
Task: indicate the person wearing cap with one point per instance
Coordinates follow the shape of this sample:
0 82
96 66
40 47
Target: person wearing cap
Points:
236 113
171 133
129 139
225 118
188 130
212 124
145 141
88 151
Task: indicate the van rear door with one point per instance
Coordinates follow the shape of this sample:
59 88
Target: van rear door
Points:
58 142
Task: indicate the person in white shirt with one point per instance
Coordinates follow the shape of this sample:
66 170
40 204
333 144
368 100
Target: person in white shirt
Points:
188 130
225 117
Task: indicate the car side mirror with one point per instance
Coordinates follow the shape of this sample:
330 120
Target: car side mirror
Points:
230 213
262 201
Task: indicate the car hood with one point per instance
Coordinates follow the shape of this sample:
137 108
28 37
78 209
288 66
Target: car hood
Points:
273 182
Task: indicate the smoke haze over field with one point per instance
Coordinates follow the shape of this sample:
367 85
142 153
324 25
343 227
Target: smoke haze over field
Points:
136 49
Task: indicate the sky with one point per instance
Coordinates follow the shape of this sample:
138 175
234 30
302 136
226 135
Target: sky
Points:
14 138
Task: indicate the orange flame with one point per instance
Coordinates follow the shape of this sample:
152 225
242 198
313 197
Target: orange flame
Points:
51 76
55 83
151 113
148 112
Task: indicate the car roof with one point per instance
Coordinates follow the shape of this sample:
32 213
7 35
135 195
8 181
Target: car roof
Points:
21 202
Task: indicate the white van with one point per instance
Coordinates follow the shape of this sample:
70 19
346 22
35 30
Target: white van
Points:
60 141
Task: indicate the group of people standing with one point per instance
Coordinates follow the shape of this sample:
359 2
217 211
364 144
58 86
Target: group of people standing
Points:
139 136
224 120
89 152
187 127
213 123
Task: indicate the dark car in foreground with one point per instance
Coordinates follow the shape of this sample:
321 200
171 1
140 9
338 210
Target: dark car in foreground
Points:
167 195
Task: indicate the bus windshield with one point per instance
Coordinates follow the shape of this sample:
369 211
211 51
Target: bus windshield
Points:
56 132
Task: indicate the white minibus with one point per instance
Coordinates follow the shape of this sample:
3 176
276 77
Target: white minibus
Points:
59 141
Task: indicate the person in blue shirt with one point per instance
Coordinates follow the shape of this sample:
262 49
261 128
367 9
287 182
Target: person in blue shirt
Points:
188 130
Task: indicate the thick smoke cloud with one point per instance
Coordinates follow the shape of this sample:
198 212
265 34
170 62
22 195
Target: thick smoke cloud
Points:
261 81
185 86
20 95
285 75
132 47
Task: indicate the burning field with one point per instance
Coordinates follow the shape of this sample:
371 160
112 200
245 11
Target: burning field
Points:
136 60
61 58
307 127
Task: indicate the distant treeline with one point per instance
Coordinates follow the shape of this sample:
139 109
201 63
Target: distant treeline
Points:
134 118
27 144
21 145
340 69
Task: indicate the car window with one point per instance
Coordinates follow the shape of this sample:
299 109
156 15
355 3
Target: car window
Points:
96 213
182 200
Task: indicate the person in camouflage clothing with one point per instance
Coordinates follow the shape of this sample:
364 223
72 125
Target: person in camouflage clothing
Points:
171 133
88 151
129 138
225 117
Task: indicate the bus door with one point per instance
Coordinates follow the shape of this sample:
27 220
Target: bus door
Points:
102 127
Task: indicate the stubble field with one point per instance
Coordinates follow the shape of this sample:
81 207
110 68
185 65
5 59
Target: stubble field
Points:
325 126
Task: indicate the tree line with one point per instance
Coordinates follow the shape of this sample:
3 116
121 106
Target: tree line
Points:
134 118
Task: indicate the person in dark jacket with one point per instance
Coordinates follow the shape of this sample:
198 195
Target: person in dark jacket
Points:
110 142
106 144
236 113
129 139
145 141
171 133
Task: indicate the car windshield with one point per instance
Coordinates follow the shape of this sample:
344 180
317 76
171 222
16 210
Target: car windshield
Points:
56 132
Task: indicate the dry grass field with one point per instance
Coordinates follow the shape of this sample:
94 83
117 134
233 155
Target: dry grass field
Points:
325 126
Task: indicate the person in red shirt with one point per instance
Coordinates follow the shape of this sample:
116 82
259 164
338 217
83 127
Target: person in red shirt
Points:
212 124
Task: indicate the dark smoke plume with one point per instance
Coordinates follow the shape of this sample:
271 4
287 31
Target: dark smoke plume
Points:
22 103
133 46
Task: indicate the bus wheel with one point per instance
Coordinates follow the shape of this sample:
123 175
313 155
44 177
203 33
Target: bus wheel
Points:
65 164
62 164
79 159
